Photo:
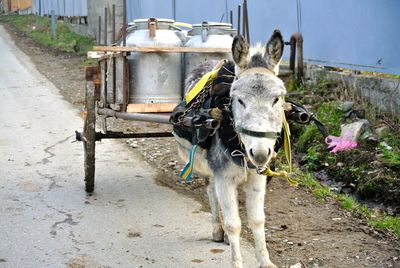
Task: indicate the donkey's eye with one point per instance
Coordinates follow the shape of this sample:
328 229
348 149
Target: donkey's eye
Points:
242 103
275 101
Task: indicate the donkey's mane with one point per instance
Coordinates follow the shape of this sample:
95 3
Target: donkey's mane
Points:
256 56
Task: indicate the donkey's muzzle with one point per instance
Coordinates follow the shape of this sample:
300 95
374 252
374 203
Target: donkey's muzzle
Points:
260 157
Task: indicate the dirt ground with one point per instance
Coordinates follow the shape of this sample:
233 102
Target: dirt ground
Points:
299 227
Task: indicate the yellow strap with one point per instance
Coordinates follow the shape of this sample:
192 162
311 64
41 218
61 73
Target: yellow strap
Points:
183 24
288 154
286 141
201 84
270 173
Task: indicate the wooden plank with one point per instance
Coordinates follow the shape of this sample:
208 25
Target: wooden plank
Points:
151 107
109 55
121 84
110 80
160 49
95 54
103 85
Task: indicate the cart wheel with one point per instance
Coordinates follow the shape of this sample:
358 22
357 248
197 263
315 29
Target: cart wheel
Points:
89 140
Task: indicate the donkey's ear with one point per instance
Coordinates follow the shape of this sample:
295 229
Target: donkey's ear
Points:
240 50
274 51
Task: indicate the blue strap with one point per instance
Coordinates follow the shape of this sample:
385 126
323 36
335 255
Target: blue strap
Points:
186 173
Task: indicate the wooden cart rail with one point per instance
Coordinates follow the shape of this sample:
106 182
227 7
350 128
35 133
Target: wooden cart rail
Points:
160 49
101 52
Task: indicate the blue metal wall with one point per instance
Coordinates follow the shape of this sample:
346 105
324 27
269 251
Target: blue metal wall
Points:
356 34
62 7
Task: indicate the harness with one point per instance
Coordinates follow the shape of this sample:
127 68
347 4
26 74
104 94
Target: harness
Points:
207 109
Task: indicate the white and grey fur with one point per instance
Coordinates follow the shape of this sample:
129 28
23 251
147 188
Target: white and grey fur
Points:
257 99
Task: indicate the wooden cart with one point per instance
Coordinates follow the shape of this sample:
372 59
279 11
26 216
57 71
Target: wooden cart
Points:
107 95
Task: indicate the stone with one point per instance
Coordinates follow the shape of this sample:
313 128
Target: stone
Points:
385 145
346 106
382 132
354 130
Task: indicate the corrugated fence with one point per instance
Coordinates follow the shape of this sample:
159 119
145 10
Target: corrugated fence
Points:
356 34
62 7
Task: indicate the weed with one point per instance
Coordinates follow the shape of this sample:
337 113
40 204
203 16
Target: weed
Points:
390 156
348 203
322 192
39 28
312 158
388 223
391 223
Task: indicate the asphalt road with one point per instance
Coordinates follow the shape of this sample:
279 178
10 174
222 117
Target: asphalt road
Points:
47 220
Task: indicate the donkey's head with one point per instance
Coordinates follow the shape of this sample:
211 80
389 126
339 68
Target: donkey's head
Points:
257 96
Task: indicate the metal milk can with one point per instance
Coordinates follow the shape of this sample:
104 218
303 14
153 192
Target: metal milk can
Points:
208 35
154 77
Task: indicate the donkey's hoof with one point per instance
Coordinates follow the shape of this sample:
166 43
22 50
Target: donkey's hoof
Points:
218 235
226 239
270 265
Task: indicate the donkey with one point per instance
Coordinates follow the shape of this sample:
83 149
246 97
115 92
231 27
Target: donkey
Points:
256 110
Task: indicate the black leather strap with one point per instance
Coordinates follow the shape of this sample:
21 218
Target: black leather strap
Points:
257 134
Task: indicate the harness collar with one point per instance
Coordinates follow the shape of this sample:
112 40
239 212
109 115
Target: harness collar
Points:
256 70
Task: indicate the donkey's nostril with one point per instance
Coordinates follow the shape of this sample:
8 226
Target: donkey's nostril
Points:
251 153
269 152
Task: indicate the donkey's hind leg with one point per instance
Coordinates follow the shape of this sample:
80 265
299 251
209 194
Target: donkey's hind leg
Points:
218 231
255 191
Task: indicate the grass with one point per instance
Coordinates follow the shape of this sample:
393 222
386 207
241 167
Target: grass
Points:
355 166
349 203
389 223
396 76
39 29
371 168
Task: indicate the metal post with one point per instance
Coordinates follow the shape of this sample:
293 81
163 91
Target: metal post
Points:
105 26
296 43
231 17
37 21
174 9
124 24
300 67
239 14
53 24
99 31
246 21
113 23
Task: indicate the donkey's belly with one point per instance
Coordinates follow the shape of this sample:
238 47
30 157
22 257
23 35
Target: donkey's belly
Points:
200 164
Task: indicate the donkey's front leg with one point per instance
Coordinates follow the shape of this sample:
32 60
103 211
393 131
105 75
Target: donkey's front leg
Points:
255 191
226 190
218 231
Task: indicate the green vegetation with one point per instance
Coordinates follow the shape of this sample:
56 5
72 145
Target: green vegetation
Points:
349 203
39 28
372 169
388 223
396 76
390 155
